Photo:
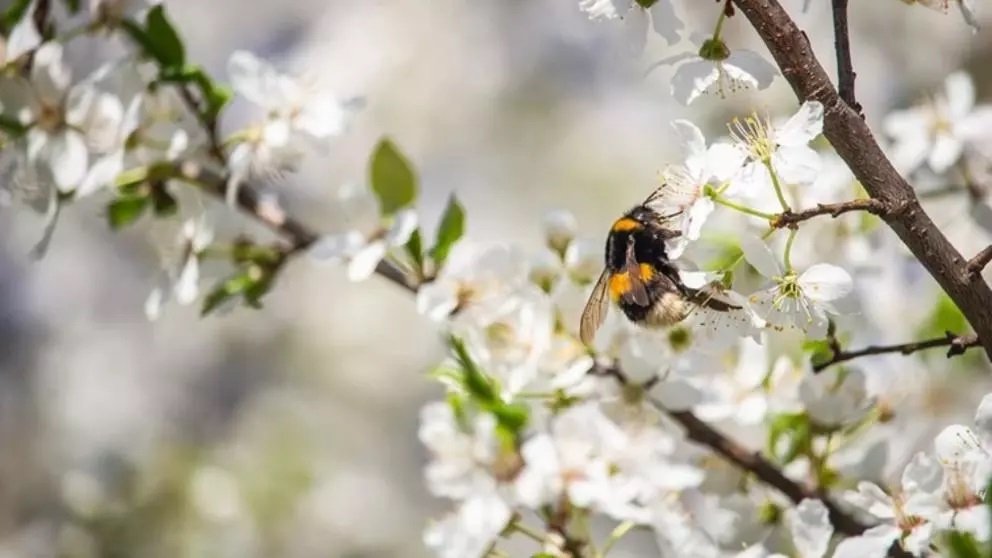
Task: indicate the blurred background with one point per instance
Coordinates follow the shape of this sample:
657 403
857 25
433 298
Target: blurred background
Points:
291 431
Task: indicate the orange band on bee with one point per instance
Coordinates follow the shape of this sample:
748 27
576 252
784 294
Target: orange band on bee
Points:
626 224
620 283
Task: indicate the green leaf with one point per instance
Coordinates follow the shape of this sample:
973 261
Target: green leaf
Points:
72 5
963 545
13 14
511 417
415 248
124 211
450 230
163 202
788 435
944 317
393 180
163 42
476 383
819 350
225 290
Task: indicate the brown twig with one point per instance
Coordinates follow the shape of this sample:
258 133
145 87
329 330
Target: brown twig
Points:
271 214
750 461
791 218
956 345
854 142
978 263
842 44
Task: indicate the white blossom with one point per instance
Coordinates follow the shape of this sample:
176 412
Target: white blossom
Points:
715 68
475 280
180 280
371 239
940 130
835 397
635 16
810 527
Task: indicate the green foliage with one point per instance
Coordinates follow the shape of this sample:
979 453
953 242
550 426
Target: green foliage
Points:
13 14
255 277
449 232
511 418
393 180
944 317
963 545
789 435
72 5
161 40
819 349
125 210
415 248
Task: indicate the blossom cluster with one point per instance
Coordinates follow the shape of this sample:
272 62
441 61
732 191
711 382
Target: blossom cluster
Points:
538 433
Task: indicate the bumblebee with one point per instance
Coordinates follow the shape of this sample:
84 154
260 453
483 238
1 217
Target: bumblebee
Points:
640 278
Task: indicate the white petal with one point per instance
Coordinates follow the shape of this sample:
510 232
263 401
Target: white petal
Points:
436 300
803 126
321 119
602 9
967 8
24 36
750 67
914 121
50 77
102 173
336 247
66 157
691 138
404 223
760 256
809 524
363 264
723 161
955 443
909 153
187 284
872 499
665 22
692 79
253 78
946 151
798 164
153 304
696 218
922 474
873 543
825 282
960 91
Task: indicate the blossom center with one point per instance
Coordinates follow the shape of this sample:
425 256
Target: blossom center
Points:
753 135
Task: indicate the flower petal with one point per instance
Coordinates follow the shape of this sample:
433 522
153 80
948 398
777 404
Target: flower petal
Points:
873 543
760 256
809 524
404 223
253 78
825 282
960 91
803 126
692 79
363 264
750 67
66 157
665 22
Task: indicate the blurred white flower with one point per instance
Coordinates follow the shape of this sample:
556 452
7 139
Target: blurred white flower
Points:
296 114
802 300
835 397
736 393
180 279
809 525
584 260
921 478
476 281
76 131
560 227
462 455
715 68
511 342
24 37
634 15
939 131
166 130
369 240
784 148
470 530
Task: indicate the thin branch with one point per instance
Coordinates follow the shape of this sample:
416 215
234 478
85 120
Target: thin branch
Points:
791 219
747 460
270 213
853 140
956 345
842 44
978 263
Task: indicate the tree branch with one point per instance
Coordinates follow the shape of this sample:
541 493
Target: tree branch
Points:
854 142
957 345
752 462
978 263
842 44
792 219
271 214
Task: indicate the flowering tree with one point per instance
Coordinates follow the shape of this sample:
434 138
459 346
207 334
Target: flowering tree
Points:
536 433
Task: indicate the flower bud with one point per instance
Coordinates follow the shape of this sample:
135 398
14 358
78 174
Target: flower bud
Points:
560 227
584 260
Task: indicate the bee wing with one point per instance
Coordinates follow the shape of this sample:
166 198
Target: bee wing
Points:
638 293
595 311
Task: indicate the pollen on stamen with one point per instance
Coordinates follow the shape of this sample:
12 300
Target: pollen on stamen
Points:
754 136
